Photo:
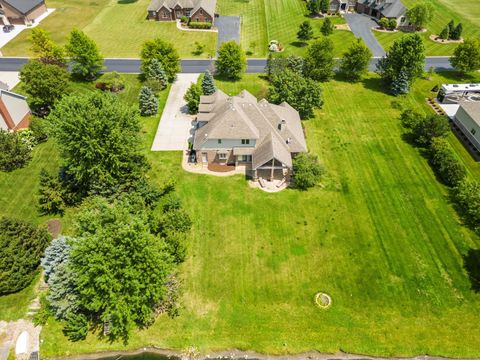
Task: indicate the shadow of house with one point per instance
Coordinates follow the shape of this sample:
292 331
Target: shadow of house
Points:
471 263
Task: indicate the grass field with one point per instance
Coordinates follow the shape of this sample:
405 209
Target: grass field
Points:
14 306
465 11
279 20
379 236
118 27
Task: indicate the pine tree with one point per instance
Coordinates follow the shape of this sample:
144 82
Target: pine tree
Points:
314 6
457 33
445 34
400 85
156 72
324 5
451 26
327 27
305 32
148 102
208 84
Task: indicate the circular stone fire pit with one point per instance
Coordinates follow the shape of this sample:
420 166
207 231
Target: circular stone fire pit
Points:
323 300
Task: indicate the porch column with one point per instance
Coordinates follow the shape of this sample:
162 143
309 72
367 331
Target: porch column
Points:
255 175
273 169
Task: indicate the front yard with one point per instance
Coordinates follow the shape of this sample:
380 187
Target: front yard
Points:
379 236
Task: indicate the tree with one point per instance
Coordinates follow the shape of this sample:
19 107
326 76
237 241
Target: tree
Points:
457 33
192 97
445 164
45 49
451 26
327 27
445 33
39 129
384 23
148 102
305 32
354 64
21 246
98 138
324 5
313 6
307 170
231 61
410 118
14 152
420 15
165 53
44 84
304 95
50 194
467 199
280 63
120 267
208 84
401 84
466 57
155 72
319 61
406 54
85 57
430 127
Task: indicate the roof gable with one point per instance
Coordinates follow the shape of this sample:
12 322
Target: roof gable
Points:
24 6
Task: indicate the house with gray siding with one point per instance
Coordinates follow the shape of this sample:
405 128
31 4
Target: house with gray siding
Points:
242 131
467 119
194 10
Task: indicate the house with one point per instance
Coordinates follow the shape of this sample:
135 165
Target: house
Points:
467 120
14 111
195 10
337 6
390 9
21 12
242 131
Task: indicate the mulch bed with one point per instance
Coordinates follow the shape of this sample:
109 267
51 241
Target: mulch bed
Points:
54 227
220 168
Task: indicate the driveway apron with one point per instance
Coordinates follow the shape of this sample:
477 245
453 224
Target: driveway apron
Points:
228 29
361 26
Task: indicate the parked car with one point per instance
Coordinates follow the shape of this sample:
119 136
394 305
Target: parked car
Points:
8 28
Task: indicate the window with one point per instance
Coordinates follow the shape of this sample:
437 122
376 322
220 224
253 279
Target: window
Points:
245 158
219 141
245 141
473 131
222 156
201 12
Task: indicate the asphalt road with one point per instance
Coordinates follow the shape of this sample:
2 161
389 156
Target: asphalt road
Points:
361 26
197 66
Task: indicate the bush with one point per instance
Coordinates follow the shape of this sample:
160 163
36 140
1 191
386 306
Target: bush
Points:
192 97
410 118
467 199
50 194
21 246
111 81
307 170
383 22
14 152
445 164
327 27
148 102
200 25
184 19
430 127
39 129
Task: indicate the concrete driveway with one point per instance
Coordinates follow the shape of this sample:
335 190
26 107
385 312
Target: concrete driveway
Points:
361 26
176 125
228 29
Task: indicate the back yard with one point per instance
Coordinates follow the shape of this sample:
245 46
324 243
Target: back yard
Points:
379 236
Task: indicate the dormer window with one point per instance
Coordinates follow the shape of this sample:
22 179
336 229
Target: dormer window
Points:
245 141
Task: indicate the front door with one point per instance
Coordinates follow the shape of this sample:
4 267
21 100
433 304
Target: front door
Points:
204 157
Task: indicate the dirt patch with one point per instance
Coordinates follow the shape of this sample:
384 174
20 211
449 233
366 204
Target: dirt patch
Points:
437 39
342 27
54 227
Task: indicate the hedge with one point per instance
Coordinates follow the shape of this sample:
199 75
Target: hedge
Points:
200 25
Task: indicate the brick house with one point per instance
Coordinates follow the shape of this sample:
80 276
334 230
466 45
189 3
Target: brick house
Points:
21 12
241 131
390 9
14 111
195 10
337 6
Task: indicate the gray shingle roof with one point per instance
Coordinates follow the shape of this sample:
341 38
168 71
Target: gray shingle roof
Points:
472 109
24 6
388 8
207 5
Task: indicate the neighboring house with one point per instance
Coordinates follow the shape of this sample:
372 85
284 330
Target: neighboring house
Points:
337 6
3 86
195 10
240 130
391 9
14 111
467 119
21 12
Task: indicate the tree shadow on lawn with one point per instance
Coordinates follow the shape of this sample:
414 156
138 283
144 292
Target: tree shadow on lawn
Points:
126 2
299 44
375 84
471 263
457 77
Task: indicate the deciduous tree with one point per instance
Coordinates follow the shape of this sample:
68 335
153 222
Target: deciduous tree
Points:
327 27
420 15
192 97
14 152
319 60
45 49
466 57
231 61
307 170
87 62
165 53
354 64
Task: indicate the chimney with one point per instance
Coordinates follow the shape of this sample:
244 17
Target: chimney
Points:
282 125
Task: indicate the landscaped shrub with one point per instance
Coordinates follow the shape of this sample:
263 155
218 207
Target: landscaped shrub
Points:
192 97
184 19
383 22
467 199
14 151
445 164
307 170
392 24
200 25
21 246
111 81
430 127
148 102
155 75
39 129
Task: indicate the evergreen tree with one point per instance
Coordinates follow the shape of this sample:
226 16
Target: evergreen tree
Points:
165 53
445 34
50 194
208 84
155 72
87 62
401 84
148 102
327 27
324 5
305 32
314 6
457 33
451 26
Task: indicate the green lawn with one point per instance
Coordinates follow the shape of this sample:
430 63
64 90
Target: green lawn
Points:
379 236
464 11
118 27
262 21
14 306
